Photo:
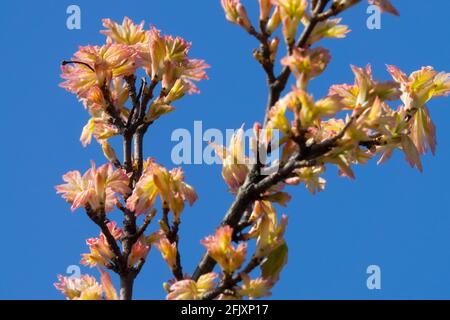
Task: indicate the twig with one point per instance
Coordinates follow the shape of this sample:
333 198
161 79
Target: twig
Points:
230 283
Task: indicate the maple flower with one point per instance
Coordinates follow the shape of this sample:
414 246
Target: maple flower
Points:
278 119
97 66
311 176
234 162
100 251
169 185
365 89
96 188
192 290
98 127
139 251
269 234
125 33
83 288
306 111
166 58
421 85
307 64
255 288
417 90
291 14
219 248
168 251
329 28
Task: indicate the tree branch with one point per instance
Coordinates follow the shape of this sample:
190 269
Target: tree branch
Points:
230 283
249 192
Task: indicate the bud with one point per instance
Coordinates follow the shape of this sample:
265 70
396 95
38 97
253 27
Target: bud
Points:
264 9
156 111
166 287
243 19
274 49
235 13
291 14
274 21
168 251
108 151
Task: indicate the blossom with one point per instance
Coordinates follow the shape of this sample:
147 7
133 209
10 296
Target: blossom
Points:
291 14
235 12
278 119
84 287
365 89
125 33
255 288
169 185
100 251
157 110
97 66
329 28
168 251
417 90
421 85
234 162
192 290
412 155
311 176
307 63
219 248
166 58
138 252
99 128
269 234
97 188
306 111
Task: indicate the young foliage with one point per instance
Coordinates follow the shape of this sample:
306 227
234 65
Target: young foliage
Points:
351 125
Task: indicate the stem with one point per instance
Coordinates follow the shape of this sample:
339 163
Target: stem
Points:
255 183
127 162
126 286
138 152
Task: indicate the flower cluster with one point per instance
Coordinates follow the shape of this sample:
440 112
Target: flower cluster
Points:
104 78
100 252
86 287
97 189
235 163
189 289
219 247
350 125
169 185
100 75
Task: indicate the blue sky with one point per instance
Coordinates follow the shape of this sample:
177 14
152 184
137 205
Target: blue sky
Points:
391 216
